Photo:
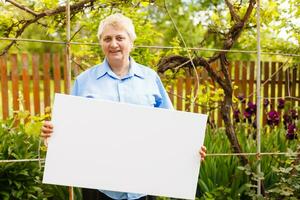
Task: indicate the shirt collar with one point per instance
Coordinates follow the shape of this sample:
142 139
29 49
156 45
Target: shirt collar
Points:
134 70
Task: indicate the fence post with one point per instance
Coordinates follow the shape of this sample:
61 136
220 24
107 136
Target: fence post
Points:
4 86
46 71
25 79
36 85
15 81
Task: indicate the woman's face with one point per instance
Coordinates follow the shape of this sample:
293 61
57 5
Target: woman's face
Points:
115 43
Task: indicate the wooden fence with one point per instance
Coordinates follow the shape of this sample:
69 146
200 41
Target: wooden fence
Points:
32 80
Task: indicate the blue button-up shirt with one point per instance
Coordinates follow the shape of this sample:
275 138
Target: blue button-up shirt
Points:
140 86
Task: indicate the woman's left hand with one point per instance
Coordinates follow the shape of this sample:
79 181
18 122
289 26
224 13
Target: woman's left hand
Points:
202 153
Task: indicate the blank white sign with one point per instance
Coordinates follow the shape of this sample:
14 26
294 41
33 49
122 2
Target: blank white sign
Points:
122 147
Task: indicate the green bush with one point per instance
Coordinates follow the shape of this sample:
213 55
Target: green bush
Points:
20 180
222 177
23 180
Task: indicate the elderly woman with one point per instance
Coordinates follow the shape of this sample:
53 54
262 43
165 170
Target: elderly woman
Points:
119 78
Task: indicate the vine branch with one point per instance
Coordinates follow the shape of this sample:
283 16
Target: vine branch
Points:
37 16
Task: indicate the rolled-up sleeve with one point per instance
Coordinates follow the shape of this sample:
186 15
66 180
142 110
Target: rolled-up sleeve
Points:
165 101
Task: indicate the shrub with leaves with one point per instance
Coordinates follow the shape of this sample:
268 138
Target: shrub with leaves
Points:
20 139
288 186
20 180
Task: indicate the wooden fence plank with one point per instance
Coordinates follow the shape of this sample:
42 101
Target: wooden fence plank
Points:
273 82
196 106
65 70
251 81
4 87
56 70
15 81
293 83
266 84
26 82
179 94
280 81
188 93
171 91
287 82
203 81
298 67
36 86
46 72
244 83
237 76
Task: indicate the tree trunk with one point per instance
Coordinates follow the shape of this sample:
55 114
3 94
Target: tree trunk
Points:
225 112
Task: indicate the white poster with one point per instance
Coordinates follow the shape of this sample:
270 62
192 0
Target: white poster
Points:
122 147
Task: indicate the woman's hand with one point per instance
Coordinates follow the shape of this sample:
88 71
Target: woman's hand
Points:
202 153
47 130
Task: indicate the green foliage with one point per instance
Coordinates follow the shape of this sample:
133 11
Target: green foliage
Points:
222 177
288 185
202 23
285 183
23 180
19 180
219 175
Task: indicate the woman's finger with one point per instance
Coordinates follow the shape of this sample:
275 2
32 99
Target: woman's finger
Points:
202 153
48 124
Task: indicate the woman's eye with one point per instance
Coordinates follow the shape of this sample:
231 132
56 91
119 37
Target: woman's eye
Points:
120 38
107 39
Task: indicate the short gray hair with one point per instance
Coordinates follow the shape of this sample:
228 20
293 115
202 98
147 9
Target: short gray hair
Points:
118 20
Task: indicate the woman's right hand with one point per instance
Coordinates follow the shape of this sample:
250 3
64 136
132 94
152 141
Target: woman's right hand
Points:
47 130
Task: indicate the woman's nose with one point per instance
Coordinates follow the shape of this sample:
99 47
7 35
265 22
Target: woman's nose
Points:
113 43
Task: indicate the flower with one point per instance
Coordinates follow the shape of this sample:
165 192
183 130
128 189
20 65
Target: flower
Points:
280 104
247 113
291 128
293 114
291 136
286 119
236 115
266 102
291 132
273 118
252 107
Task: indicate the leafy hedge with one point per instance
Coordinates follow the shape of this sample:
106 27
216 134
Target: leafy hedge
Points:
222 177
23 180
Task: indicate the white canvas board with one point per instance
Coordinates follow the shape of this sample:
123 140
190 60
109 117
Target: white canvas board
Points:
122 147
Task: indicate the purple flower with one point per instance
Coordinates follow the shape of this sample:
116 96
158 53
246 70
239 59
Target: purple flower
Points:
293 113
291 128
280 104
286 119
247 113
290 134
252 107
266 102
273 118
236 115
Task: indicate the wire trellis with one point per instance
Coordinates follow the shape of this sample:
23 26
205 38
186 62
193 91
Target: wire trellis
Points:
156 47
257 154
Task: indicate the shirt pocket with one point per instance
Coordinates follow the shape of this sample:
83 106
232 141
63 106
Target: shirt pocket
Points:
143 99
